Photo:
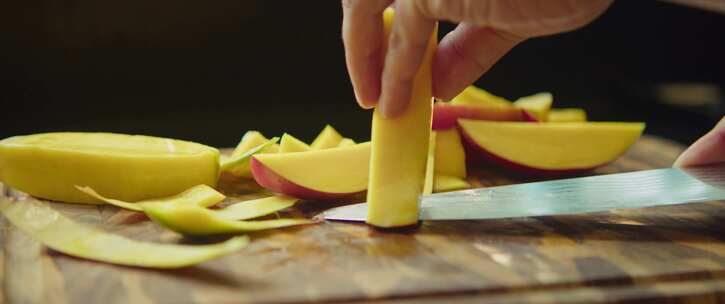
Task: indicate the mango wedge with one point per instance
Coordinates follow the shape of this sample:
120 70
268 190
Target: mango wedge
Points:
128 167
346 142
328 138
39 221
537 106
196 221
290 143
399 150
472 95
549 148
201 196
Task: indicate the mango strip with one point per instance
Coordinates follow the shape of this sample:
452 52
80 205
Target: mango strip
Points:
39 221
399 149
196 221
255 208
200 195
328 138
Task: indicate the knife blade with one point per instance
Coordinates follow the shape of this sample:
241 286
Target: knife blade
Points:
638 189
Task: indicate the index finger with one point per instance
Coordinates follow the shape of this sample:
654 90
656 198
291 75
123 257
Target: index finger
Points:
362 35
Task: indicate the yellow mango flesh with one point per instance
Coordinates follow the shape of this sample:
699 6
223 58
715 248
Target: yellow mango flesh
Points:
567 115
338 170
291 144
537 105
250 140
129 167
399 150
328 138
560 146
445 183
472 95
450 157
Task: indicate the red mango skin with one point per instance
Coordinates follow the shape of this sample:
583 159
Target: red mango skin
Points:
445 116
270 180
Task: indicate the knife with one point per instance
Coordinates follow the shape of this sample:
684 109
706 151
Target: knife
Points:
649 188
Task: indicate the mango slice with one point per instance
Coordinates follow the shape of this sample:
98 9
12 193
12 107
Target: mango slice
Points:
315 174
400 148
196 221
39 221
472 95
567 115
554 148
291 144
250 140
537 105
450 157
328 138
445 183
255 208
200 195
129 167
240 161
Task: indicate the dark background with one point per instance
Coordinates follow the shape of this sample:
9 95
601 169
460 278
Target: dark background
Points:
209 70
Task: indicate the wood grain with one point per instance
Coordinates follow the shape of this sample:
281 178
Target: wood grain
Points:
674 253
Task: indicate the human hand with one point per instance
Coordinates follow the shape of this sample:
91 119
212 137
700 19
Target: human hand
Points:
488 29
709 149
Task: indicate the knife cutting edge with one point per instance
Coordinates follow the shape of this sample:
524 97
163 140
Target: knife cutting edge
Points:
649 188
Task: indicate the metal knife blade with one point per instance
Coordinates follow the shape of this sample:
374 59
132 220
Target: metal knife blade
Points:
639 189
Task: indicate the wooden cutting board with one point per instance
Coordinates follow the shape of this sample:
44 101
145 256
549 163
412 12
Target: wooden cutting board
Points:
674 253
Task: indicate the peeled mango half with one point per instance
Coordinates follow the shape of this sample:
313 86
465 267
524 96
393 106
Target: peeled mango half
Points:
127 167
46 225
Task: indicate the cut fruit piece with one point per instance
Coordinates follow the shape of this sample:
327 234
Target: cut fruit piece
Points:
255 208
430 165
450 157
231 163
474 96
346 142
196 221
567 115
200 195
291 144
328 138
445 115
315 174
445 183
130 167
536 106
42 223
250 140
549 148
400 148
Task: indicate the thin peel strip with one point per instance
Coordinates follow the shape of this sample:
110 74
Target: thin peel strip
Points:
187 220
255 208
38 220
229 163
430 165
200 195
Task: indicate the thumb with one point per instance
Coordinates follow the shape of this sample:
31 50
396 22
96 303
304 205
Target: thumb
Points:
709 149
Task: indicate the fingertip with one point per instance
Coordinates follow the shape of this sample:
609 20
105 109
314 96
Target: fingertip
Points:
394 99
